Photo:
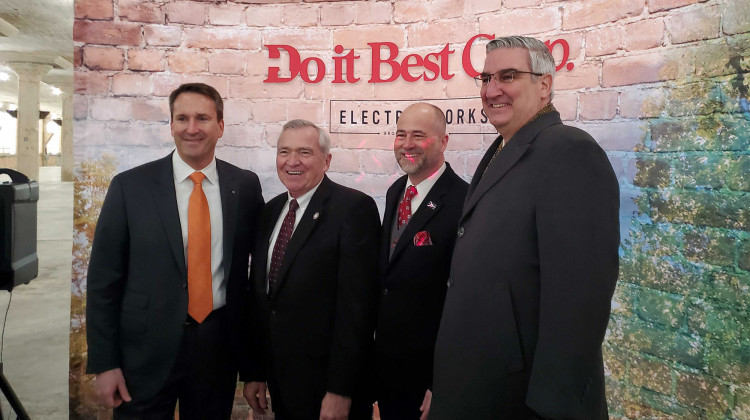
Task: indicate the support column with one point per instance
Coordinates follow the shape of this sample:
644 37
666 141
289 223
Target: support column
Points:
66 133
27 144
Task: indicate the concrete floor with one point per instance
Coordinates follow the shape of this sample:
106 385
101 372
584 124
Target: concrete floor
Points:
35 354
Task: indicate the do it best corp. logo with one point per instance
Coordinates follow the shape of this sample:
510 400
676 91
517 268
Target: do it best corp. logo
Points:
410 68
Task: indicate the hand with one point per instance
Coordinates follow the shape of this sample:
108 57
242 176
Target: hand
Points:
255 394
335 407
425 408
110 388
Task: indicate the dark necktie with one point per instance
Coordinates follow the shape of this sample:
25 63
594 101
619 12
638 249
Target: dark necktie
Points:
285 233
404 208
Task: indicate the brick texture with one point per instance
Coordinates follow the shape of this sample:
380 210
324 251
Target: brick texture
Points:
93 9
103 58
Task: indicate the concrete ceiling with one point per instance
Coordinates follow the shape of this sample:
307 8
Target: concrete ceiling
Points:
38 31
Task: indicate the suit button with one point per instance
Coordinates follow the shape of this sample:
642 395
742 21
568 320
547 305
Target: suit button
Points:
449 283
273 311
385 292
184 285
461 232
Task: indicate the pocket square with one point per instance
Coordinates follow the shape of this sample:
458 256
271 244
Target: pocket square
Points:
422 238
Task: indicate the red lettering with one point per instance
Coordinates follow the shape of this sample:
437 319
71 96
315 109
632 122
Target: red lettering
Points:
377 61
466 55
406 65
566 52
274 51
338 64
321 69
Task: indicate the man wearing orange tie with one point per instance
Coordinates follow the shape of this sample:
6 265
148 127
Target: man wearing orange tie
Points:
170 254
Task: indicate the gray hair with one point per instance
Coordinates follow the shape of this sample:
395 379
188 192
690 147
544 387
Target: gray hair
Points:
323 140
540 57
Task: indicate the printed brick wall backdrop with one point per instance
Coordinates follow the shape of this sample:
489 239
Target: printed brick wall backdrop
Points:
661 84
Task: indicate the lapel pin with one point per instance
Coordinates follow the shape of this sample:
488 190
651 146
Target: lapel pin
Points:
431 205
316 215
233 192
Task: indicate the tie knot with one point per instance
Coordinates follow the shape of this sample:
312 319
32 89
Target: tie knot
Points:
411 192
293 205
197 177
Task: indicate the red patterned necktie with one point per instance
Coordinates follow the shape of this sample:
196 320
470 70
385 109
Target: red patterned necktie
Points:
404 208
285 233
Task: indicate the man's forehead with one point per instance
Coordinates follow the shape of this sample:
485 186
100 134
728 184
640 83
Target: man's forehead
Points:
506 58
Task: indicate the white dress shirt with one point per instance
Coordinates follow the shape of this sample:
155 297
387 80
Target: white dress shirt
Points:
423 188
183 187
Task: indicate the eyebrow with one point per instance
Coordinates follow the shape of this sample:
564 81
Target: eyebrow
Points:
501 71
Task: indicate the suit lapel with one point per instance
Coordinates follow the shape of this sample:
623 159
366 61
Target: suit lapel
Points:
166 203
303 230
229 199
261 257
392 199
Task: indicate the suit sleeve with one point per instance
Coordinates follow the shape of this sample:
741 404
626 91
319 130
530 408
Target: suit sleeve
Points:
106 279
356 297
578 239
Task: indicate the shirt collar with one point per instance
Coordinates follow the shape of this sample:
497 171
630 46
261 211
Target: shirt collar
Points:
305 198
182 170
426 185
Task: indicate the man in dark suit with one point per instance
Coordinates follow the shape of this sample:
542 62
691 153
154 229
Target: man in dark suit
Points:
171 248
419 230
536 259
314 286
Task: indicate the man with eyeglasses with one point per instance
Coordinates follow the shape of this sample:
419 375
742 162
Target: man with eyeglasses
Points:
535 261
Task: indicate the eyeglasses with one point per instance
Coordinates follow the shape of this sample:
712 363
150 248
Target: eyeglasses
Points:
503 76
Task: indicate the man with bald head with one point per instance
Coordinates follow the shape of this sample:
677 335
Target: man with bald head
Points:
419 231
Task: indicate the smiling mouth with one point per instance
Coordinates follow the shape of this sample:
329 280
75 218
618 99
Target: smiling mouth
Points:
499 105
294 172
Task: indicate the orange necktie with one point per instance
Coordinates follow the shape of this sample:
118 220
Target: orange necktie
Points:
200 296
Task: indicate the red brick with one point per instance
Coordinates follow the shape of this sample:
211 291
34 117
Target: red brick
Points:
598 105
111 109
253 87
659 5
566 104
311 38
243 135
187 62
263 16
226 63
345 161
642 103
358 37
87 133
135 134
371 184
521 3
257 63
582 76
93 9
131 84
226 14
151 110
735 15
695 25
594 12
446 9
263 2
90 83
410 11
311 111
474 7
80 107
238 112
106 33
644 34
520 21
164 84
141 11
165 36
439 33
226 38
77 57
300 15
103 58
401 89
604 41
379 162
463 141
575 48
337 14
268 111
329 91
623 136
373 12
146 60
461 85
645 68
187 12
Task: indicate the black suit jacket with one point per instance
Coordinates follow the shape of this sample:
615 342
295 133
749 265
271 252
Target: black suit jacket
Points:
413 285
315 332
136 302
532 276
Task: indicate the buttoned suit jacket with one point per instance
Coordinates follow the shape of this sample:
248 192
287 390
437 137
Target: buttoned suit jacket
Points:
413 285
315 332
532 276
136 301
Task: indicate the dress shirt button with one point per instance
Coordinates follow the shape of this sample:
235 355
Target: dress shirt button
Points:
385 291
461 232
